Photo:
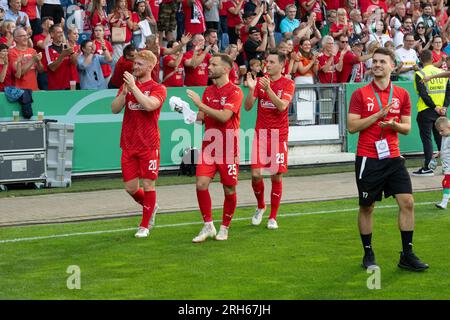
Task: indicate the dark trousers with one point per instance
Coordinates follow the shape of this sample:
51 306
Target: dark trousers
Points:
425 121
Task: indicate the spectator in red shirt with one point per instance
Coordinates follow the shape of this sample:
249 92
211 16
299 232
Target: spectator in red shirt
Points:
59 57
359 70
194 19
41 41
341 26
196 62
4 65
120 18
141 12
233 8
8 27
349 59
328 61
72 40
439 56
30 8
173 68
98 40
99 16
125 63
370 4
235 75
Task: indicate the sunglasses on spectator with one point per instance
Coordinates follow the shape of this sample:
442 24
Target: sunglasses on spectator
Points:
420 27
344 41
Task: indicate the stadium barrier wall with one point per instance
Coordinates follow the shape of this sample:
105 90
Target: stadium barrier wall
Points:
97 130
410 143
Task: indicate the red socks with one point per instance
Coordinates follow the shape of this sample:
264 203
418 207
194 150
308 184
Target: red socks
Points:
229 206
139 196
275 198
204 202
258 189
148 207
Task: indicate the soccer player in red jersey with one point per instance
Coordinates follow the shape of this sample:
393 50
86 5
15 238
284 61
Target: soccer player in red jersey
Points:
140 140
380 111
274 93
219 110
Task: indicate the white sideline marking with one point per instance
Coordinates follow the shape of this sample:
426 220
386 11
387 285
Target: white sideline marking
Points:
191 223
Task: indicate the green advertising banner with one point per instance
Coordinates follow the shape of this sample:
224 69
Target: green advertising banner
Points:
410 143
97 130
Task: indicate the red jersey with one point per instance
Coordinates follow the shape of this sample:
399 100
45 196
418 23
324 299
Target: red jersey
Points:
36 39
28 80
154 7
30 9
331 75
316 8
283 3
269 117
364 103
350 59
365 4
106 68
228 97
234 74
332 4
232 19
194 22
438 57
176 79
140 128
73 67
60 78
196 77
122 65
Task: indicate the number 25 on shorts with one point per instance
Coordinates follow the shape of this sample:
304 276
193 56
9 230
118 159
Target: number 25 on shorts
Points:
232 169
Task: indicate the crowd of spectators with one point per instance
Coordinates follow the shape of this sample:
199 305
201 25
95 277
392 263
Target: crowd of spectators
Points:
325 41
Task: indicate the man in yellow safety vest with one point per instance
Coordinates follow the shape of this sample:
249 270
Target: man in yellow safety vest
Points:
434 98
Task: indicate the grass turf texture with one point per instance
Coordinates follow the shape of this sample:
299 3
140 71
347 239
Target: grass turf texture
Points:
314 256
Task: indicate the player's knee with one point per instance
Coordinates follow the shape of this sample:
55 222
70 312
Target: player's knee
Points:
256 175
131 189
407 205
366 210
229 190
201 185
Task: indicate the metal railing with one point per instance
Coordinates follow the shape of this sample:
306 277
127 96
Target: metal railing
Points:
319 104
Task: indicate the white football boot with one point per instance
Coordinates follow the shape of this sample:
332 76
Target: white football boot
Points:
272 224
223 233
257 217
208 231
142 232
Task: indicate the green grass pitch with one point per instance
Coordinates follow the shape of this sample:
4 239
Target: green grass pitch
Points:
315 254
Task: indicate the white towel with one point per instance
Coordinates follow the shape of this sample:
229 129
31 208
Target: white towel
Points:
146 32
180 106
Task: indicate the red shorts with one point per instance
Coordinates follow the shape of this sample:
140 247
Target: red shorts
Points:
142 164
263 156
446 182
228 172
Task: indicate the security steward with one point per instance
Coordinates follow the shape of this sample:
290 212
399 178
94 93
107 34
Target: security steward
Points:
434 98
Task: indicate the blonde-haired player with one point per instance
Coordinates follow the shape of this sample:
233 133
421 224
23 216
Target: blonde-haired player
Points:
140 140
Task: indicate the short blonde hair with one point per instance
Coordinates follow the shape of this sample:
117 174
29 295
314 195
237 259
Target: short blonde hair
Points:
441 122
147 55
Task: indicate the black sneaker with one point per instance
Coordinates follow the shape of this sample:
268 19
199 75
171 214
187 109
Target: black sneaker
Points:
423 172
369 260
411 262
